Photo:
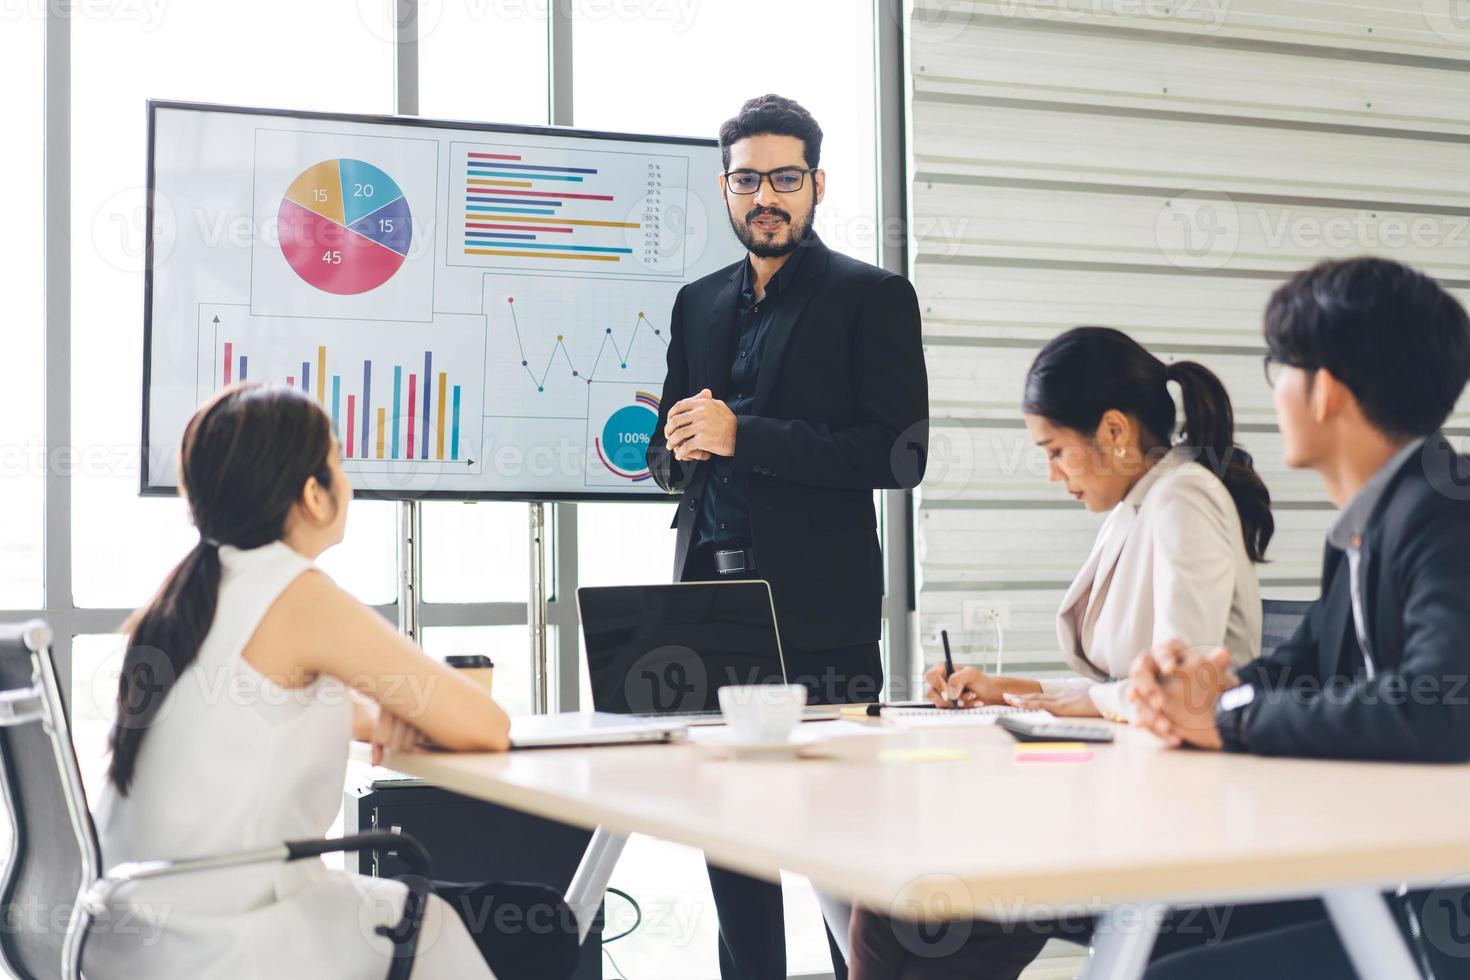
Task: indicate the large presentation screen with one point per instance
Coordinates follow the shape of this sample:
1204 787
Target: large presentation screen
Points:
482 310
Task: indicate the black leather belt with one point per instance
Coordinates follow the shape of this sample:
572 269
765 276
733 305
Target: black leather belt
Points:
735 562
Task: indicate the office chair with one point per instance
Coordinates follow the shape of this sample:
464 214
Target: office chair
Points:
55 860
1279 621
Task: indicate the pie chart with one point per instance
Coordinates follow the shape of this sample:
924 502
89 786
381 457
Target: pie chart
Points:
345 226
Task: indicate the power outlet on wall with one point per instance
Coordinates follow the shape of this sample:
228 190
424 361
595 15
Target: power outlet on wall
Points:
976 614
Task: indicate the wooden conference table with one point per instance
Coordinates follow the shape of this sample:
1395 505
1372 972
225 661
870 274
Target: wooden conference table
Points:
1135 829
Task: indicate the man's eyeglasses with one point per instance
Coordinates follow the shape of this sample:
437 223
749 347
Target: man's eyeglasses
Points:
1273 365
786 180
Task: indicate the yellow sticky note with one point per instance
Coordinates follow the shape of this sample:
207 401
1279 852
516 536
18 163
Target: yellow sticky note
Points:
1049 748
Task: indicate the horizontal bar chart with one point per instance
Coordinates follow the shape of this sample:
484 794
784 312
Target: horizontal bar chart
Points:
508 196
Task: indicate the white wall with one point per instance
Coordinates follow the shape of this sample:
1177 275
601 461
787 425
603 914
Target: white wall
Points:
1159 167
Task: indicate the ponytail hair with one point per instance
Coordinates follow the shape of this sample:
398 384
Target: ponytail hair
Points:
243 464
1085 372
1209 429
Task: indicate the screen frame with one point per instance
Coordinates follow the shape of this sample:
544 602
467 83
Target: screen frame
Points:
749 583
420 122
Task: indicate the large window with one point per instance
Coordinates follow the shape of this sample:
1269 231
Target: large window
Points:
643 67
22 455
485 62
684 69
266 53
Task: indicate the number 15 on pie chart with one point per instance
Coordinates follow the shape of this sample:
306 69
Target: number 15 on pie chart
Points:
345 226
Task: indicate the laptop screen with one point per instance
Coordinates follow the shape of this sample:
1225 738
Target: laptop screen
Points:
668 649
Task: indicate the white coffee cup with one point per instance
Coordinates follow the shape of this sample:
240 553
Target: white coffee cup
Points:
762 712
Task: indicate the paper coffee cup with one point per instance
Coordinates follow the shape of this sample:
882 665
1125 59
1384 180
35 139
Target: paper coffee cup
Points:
476 667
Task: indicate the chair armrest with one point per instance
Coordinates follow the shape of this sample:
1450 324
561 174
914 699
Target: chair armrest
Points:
97 896
404 935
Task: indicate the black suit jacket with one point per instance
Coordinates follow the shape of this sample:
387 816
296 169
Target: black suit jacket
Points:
841 408
1313 696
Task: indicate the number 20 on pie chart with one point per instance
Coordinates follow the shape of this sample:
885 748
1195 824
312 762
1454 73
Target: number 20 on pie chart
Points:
345 226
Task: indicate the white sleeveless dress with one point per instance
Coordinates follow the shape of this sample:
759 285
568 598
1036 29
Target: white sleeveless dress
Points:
236 762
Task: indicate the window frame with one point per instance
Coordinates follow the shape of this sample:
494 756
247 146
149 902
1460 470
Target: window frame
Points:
562 667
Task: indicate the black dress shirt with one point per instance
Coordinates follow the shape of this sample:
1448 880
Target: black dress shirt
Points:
724 509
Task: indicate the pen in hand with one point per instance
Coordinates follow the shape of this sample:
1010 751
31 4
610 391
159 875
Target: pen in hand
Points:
948 666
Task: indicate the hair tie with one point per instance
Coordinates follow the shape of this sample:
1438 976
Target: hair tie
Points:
208 542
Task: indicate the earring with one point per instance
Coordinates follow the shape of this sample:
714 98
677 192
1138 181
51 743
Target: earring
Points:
1119 452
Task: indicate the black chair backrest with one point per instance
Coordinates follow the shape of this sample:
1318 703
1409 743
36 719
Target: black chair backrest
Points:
54 852
1279 621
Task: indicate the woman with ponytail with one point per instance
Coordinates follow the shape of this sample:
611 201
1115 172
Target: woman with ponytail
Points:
243 682
1188 520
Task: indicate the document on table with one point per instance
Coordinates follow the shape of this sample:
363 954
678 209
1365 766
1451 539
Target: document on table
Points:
956 717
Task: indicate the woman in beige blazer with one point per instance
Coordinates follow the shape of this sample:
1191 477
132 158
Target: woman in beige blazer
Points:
1188 519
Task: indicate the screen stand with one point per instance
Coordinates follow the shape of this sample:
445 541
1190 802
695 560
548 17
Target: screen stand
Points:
536 612
410 569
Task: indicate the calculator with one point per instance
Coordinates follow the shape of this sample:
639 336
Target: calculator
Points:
1035 729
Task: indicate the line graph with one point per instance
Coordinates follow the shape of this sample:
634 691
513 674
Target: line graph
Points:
551 339
588 376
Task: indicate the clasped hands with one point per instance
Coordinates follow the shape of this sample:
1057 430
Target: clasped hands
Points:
700 427
1176 687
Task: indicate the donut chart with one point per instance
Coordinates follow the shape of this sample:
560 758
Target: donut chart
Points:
345 226
623 445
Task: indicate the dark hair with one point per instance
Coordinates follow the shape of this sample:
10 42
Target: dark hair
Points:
1086 372
245 457
1391 334
773 115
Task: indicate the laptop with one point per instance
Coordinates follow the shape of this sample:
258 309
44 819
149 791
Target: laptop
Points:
662 652
589 728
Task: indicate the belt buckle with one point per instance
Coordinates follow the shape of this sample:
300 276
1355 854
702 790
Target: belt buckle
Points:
734 554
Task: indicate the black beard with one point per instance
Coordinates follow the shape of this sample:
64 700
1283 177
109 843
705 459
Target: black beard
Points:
771 250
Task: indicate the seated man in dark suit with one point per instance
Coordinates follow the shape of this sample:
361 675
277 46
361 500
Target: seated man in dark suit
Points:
1367 360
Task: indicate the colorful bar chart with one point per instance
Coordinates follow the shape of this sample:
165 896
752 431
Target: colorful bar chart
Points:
545 209
519 209
433 405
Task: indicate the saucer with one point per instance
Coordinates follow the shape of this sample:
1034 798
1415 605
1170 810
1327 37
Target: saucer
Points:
728 745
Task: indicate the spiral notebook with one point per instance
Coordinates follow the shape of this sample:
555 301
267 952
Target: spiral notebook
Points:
955 717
